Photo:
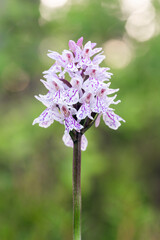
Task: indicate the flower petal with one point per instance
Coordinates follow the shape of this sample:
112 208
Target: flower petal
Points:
96 50
84 143
97 122
72 45
58 97
80 42
67 140
54 55
98 59
91 86
69 143
93 44
45 119
76 82
112 120
84 111
71 123
71 96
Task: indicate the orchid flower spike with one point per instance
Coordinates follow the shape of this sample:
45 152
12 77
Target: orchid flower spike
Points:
82 101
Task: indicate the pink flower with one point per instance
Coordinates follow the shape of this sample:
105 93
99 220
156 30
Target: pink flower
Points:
80 102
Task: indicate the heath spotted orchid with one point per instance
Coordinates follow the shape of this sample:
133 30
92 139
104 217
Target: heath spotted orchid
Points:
82 100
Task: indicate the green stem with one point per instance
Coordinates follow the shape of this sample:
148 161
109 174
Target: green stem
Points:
77 187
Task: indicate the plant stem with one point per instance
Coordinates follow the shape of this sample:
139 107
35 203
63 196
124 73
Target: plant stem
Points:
77 187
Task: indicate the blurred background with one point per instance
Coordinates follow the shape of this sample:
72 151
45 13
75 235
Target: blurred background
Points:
120 169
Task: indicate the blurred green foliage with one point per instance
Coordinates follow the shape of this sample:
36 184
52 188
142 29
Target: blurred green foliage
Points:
120 169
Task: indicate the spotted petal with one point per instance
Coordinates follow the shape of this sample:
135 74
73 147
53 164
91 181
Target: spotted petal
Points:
47 99
58 97
91 86
112 120
45 119
71 96
84 111
71 123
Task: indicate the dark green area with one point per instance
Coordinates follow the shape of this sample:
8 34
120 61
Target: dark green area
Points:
120 169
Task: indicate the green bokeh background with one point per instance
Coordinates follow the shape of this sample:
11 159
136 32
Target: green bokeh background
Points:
120 169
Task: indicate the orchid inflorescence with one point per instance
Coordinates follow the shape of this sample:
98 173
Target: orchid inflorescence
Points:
80 102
